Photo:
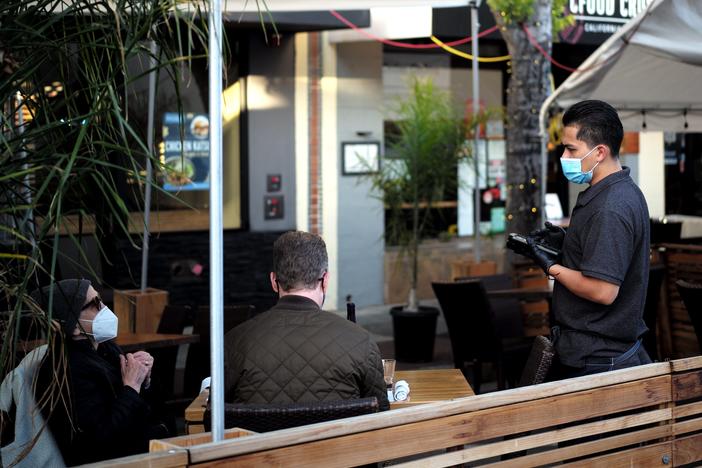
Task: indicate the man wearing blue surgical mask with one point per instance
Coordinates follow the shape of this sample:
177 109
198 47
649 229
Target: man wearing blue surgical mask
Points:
93 395
602 275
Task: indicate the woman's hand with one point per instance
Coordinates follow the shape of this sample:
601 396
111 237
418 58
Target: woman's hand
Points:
134 372
148 360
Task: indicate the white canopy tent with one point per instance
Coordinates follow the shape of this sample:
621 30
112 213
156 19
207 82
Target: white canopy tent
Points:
650 71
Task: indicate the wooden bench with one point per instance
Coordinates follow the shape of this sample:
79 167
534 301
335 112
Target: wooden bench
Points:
645 416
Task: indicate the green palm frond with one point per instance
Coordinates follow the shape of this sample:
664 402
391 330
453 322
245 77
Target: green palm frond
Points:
67 71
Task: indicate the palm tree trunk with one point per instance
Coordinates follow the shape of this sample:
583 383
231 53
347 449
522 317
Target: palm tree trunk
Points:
529 86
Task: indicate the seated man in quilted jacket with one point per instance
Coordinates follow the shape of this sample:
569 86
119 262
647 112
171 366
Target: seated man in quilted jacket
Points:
296 352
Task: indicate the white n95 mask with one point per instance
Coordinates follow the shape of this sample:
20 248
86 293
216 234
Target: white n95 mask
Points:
105 325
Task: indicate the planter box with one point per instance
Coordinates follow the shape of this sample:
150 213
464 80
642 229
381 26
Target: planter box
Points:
140 311
461 269
435 264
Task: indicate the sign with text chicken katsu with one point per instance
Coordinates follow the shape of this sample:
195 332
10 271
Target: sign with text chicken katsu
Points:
186 151
595 20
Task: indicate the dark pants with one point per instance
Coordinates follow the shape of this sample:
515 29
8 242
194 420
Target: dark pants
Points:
634 356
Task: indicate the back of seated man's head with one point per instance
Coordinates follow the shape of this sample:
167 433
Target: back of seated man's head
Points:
299 263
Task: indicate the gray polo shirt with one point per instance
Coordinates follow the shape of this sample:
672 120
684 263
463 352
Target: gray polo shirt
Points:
608 239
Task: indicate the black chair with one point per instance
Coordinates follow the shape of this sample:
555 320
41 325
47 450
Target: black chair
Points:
474 336
663 231
197 364
508 311
173 321
168 401
272 416
691 295
539 362
650 316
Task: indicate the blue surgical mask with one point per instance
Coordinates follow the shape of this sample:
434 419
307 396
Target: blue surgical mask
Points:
573 169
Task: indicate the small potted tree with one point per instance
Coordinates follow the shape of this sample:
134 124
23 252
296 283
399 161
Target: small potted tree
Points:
420 169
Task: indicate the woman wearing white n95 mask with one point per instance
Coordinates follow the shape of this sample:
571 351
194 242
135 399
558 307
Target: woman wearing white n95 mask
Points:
100 412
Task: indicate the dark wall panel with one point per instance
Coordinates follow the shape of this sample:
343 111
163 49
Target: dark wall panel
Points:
179 263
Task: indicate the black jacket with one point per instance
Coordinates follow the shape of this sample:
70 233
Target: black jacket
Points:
298 353
110 420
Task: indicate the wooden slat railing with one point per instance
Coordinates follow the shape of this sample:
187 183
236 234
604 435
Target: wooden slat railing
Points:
645 416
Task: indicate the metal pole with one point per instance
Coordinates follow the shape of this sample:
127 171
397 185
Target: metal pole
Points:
27 225
216 263
149 168
26 194
474 25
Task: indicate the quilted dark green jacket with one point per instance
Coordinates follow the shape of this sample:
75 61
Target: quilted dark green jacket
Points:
297 352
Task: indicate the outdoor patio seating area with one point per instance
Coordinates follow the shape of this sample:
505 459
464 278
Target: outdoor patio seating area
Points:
350 233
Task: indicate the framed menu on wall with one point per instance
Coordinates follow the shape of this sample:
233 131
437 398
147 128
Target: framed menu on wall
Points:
360 157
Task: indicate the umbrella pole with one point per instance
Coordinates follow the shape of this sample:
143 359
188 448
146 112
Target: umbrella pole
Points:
216 262
474 25
149 168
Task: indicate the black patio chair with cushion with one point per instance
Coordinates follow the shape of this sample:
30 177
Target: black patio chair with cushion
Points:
691 295
653 294
174 320
507 310
539 362
271 417
475 338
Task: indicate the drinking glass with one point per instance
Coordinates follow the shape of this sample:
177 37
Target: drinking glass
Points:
389 371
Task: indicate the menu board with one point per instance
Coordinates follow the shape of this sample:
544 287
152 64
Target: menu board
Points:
186 151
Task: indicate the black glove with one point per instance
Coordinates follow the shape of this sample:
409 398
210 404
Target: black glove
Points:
552 236
544 259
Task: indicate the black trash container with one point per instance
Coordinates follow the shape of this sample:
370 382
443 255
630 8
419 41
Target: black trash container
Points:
415 333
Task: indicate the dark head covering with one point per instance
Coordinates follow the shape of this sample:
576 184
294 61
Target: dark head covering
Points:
69 298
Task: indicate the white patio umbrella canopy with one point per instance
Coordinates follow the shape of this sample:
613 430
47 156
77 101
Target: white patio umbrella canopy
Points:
650 70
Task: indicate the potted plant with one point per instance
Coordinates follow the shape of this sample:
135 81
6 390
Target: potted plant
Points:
419 169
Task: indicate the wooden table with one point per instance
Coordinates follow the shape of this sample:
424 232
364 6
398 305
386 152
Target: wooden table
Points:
136 341
429 386
426 386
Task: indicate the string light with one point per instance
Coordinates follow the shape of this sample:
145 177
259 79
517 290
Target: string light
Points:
464 55
405 45
538 47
